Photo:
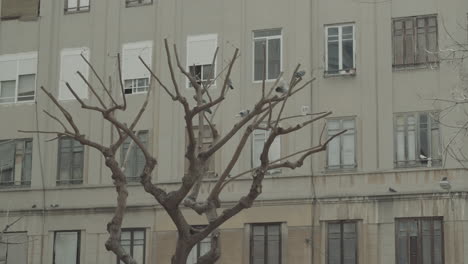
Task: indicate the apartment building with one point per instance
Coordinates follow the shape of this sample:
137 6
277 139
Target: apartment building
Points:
375 196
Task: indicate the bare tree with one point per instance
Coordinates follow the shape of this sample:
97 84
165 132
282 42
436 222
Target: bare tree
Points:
455 55
267 114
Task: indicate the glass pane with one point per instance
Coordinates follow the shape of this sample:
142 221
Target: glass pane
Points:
348 149
274 58
26 87
65 163
334 244
426 241
192 258
66 247
7 159
273 252
267 33
138 254
26 168
208 72
17 248
348 54
438 249
409 42
411 140
7 91
334 152
259 59
423 137
333 63
84 2
72 4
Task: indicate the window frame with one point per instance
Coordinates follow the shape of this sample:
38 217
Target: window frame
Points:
342 222
414 28
265 246
139 45
342 167
132 230
135 3
78 244
341 71
406 163
21 182
202 37
420 235
17 58
134 148
70 168
78 9
267 38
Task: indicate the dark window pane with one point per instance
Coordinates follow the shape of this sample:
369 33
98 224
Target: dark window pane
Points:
259 59
274 58
333 57
334 243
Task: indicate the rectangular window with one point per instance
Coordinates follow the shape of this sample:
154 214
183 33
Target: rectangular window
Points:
72 6
70 160
15 162
265 244
340 49
71 62
20 9
206 144
67 247
200 249
133 240
417 139
200 52
130 3
18 77
415 40
135 76
258 141
341 151
134 159
14 248
342 242
419 240
270 40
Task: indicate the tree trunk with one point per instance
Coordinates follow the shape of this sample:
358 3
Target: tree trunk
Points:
182 252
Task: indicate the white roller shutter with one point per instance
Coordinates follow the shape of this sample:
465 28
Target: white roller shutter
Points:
70 63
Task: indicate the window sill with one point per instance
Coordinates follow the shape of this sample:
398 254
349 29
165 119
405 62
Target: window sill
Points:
17 103
416 66
266 81
340 170
417 164
14 186
137 5
343 73
67 12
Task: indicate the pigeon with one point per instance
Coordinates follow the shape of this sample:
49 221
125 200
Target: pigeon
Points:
299 74
229 83
282 87
244 113
390 189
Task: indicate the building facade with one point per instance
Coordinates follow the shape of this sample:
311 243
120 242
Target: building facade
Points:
375 196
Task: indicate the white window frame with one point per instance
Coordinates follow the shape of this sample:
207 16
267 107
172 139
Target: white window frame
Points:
132 3
280 37
132 242
276 144
340 49
62 86
18 57
195 38
145 74
418 161
80 8
342 166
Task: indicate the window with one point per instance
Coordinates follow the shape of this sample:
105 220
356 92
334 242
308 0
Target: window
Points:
207 142
73 6
342 242
15 162
200 52
135 76
340 49
135 160
71 62
18 77
200 249
419 240
14 248
270 39
133 240
258 141
66 247
415 40
130 3
265 244
341 151
70 160
417 139
20 9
